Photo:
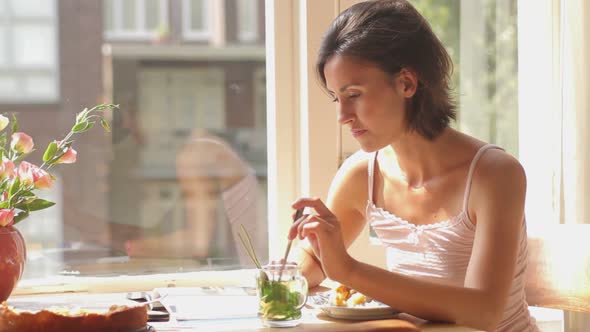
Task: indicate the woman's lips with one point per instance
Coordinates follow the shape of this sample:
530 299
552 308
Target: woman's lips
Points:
357 132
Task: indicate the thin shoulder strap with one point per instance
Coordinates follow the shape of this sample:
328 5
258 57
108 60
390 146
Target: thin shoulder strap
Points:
477 156
371 170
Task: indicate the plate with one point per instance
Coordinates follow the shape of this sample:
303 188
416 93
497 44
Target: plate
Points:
374 311
360 313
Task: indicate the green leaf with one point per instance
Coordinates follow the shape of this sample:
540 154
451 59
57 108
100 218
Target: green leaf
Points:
14 187
80 116
50 152
80 127
105 125
14 123
35 205
3 140
20 216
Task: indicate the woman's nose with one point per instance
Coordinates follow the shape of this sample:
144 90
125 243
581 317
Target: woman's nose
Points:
345 113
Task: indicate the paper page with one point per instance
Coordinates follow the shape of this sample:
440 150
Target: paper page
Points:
199 303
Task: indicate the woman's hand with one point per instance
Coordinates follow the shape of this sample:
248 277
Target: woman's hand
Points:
323 232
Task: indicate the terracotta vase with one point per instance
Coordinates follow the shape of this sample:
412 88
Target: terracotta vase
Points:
12 259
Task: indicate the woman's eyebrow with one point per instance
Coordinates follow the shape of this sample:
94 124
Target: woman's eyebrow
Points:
344 87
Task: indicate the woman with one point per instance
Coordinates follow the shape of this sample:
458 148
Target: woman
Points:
448 208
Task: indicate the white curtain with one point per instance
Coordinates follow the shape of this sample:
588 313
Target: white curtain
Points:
554 139
554 109
576 111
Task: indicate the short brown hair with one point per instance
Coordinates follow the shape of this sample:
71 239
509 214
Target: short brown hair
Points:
393 35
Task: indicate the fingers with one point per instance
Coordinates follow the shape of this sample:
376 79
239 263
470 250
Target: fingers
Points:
314 203
281 262
293 229
313 224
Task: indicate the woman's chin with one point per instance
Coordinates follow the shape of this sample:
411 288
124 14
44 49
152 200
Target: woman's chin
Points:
370 146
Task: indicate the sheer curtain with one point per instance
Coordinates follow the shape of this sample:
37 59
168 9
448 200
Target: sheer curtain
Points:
554 123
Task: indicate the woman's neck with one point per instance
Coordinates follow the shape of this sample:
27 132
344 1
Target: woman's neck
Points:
417 160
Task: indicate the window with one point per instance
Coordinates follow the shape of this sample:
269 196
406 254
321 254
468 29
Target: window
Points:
196 19
184 166
28 51
247 20
136 19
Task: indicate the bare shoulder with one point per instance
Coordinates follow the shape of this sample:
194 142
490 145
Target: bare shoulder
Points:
499 167
498 187
350 184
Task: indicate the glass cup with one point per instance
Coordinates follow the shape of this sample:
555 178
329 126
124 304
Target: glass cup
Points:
282 292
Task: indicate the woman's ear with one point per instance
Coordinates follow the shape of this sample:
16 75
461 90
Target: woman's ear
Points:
407 82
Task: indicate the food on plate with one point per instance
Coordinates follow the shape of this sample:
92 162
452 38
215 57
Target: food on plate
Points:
345 296
118 318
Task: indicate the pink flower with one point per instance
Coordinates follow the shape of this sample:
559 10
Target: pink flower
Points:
21 142
30 174
6 168
6 217
69 157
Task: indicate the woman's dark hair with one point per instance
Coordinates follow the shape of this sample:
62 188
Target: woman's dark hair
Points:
393 35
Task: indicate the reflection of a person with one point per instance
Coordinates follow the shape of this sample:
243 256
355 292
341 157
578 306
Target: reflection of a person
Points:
206 167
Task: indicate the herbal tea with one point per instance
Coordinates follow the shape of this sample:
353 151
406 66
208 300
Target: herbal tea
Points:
281 300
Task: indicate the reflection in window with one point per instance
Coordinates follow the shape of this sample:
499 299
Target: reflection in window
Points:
28 50
185 164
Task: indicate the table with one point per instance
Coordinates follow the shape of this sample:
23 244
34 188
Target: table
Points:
312 320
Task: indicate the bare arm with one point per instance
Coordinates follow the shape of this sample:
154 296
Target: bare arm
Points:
346 199
496 204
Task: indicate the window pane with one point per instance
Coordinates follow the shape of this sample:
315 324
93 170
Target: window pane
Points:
3 46
8 87
129 15
34 45
37 8
481 37
109 20
152 15
183 167
40 86
197 15
247 20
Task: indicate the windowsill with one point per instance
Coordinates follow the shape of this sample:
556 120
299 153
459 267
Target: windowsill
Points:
127 283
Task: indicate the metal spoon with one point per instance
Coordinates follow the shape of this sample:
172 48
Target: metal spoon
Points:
298 215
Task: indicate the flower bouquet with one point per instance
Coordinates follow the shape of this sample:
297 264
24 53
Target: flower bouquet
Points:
19 178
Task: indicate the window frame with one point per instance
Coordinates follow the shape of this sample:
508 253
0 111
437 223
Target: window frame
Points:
22 72
140 32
